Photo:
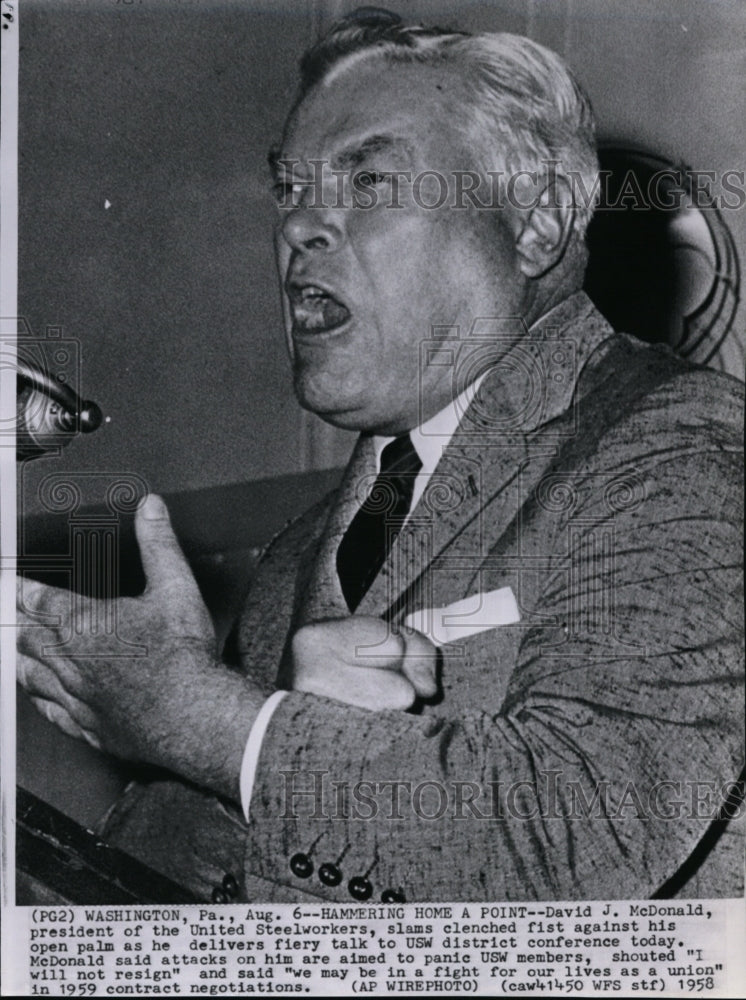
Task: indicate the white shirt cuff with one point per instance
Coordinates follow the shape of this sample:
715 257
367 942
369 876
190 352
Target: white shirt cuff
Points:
253 748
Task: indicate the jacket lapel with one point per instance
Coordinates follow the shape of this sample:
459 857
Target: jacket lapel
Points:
321 596
506 439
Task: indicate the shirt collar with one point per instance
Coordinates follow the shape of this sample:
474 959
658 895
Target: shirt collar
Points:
431 437
576 320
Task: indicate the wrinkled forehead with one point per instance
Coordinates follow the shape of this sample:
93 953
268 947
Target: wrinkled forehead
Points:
406 110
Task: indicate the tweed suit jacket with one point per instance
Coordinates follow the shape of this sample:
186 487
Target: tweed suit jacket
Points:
583 752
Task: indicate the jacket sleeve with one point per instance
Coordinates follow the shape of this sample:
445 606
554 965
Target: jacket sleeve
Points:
614 741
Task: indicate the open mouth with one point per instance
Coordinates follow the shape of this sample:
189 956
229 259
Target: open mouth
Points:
315 310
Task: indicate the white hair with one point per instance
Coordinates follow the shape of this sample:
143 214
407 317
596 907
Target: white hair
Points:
525 112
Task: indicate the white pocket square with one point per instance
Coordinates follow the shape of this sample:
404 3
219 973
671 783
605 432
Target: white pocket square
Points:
469 616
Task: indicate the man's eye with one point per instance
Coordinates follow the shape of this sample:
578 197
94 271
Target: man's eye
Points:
369 178
288 194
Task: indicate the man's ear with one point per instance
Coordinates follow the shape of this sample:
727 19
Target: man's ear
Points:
545 229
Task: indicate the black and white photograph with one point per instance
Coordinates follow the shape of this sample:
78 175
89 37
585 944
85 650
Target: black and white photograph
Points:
372 498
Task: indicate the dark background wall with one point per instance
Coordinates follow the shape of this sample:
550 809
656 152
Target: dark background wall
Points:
165 109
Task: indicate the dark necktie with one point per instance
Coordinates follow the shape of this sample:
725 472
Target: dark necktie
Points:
372 531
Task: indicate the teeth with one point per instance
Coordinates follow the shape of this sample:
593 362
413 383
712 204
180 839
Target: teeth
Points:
314 310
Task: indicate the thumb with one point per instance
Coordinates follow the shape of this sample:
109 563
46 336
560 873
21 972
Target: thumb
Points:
162 558
420 663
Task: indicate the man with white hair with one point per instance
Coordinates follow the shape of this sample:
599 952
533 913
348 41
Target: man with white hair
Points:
499 659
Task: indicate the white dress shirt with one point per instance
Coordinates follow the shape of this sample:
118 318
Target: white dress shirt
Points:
429 441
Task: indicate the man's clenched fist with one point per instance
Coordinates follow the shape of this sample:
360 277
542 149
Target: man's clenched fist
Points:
365 662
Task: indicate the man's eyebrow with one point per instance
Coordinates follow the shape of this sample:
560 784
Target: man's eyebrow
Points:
354 155
351 156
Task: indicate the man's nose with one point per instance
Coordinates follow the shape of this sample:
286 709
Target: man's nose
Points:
313 228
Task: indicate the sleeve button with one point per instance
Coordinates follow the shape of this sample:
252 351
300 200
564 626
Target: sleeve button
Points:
230 885
330 874
300 865
393 896
360 888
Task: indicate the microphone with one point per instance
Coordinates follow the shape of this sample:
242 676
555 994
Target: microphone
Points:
49 413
